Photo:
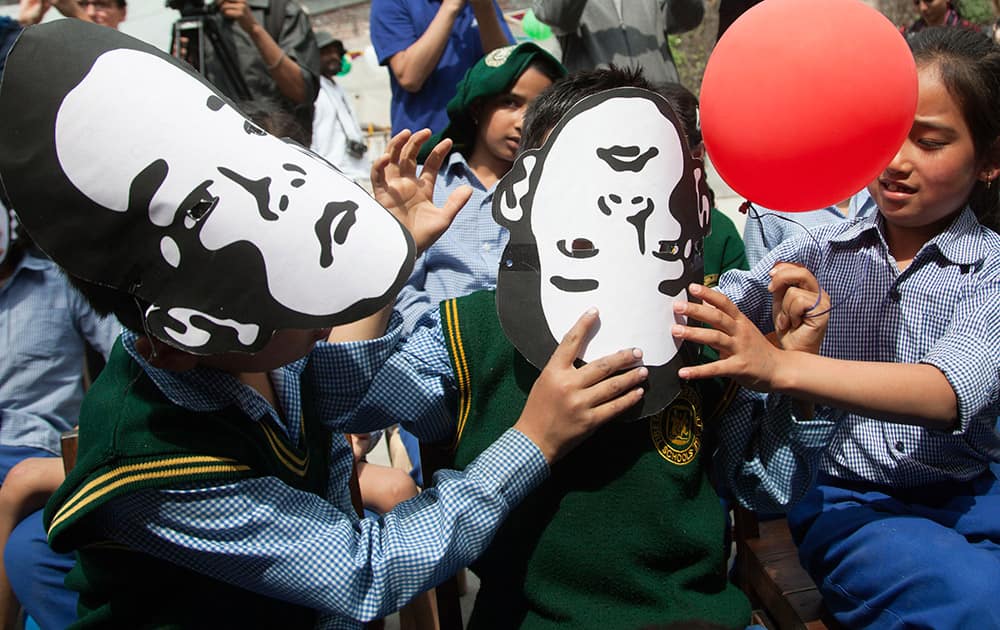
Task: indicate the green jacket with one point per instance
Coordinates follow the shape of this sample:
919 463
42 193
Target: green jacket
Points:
132 438
627 532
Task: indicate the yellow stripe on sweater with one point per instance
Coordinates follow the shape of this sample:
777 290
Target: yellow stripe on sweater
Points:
461 365
178 467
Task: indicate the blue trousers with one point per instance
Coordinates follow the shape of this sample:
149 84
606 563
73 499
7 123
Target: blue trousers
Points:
36 574
927 557
12 455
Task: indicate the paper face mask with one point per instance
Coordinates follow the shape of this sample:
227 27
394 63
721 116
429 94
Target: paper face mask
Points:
610 212
229 233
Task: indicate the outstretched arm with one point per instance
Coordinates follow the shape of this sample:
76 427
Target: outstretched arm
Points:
911 393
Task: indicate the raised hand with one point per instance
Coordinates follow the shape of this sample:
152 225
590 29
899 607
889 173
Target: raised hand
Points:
410 197
567 403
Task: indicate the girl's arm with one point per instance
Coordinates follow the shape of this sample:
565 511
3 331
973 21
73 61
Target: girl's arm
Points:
917 394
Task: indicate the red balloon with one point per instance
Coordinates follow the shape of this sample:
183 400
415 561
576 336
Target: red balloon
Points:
804 102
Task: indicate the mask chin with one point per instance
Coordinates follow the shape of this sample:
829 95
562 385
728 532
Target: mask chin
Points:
198 333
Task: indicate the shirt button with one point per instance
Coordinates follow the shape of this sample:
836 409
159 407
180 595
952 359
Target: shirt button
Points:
900 447
486 247
895 295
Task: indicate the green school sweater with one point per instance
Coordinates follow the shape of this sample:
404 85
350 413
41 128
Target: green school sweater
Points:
627 531
133 438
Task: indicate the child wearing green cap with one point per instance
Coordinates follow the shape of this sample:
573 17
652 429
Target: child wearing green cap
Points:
485 126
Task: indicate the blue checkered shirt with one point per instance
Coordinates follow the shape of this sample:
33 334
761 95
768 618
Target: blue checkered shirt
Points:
465 258
766 456
44 325
941 310
314 551
765 229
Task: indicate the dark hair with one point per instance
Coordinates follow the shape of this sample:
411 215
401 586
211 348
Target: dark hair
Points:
276 120
969 66
552 104
107 300
685 105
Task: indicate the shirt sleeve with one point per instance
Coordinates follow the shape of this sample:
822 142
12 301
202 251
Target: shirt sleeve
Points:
297 547
766 457
99 331
961 353
299 43
368 385
562 15
413 300
753 238
391 28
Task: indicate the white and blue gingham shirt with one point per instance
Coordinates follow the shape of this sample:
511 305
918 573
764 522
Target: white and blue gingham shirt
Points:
766 457
465 258
44 326
942 310
765 229
314 551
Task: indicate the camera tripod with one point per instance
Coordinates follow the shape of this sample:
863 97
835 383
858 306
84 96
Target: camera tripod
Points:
196 28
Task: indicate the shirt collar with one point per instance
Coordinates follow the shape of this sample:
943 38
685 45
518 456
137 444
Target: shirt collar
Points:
205 389
28 263
457 166
961 242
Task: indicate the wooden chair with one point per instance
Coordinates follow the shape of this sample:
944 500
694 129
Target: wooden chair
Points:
769 572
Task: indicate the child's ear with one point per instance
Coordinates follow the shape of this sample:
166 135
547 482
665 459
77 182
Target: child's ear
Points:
164 356
509 207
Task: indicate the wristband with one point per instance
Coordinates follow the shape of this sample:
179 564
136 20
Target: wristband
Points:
277 63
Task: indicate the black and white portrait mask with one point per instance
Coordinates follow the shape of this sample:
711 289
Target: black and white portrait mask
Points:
610 213
224 232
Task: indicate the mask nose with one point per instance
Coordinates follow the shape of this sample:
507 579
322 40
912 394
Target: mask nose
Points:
634 209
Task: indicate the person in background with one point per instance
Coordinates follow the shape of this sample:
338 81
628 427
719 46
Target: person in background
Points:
594 33
337 136
484 122
428 45
936 13
46 326
275 54
108 13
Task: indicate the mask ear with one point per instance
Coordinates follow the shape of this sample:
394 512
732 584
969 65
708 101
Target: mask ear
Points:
704 199
511 198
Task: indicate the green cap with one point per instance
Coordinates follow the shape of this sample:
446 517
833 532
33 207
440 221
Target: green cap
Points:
494 74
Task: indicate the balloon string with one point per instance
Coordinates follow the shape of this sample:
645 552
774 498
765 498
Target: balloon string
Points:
759 218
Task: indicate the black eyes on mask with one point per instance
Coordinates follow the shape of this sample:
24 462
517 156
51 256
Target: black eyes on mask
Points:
578 248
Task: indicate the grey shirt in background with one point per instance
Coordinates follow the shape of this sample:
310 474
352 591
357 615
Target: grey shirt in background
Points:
595 33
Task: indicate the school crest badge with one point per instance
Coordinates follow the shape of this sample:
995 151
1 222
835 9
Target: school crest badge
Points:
676 431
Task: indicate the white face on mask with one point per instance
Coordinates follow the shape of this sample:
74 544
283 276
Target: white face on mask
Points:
605 231
609 212
183 154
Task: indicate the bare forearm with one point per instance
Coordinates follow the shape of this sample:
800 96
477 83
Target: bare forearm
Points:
286 73
897 392
412 66
490 33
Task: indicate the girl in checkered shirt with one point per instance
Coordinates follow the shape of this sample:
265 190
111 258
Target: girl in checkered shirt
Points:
902 528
